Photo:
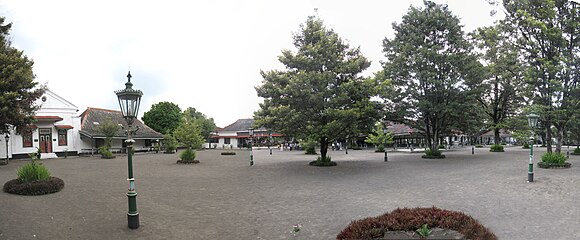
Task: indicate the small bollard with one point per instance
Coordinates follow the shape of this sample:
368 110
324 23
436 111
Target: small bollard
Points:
568 152
270 151
472 150
386 156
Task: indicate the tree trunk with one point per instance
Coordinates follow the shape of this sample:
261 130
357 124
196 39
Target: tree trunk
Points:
323 148
549 137
559 137
497 139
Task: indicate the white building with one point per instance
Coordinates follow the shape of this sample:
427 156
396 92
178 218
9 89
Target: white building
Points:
54 132
237 135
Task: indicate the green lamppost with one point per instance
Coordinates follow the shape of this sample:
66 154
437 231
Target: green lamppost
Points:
532 122
7 138
251 132
385 147
129 100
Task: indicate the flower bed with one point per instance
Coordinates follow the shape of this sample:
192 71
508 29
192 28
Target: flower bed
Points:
17 186
406 219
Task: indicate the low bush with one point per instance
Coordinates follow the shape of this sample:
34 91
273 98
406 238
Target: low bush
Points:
441 147
187 155
380 148
310 148
526 146
106 153
406 219
50 185
553 157
323 162
435 153
496 148
478 146
33 172
170 143
576 151
228 153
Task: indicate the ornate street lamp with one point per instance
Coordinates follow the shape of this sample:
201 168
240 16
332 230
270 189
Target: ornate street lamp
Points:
532 122
129 100
7 138
384 147
251 132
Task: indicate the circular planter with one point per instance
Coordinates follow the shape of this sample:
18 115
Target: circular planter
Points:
554 165
322 164
51 185
103 157
573 153
433 157
496 150
187 161
228 153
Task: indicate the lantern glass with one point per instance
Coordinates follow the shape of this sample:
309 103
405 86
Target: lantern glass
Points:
533 120
129 101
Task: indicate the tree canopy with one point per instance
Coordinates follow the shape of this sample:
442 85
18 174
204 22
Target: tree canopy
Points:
206 125
163 117
188 133
320 95
18 90
429 63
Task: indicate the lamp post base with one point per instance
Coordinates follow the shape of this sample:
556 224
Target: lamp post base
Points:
386 156
530 177
133 221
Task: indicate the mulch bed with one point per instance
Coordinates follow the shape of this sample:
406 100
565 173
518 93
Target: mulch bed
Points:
187 161
52 185
554 165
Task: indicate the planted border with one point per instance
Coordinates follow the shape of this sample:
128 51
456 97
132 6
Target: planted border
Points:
187 161
51 185
228 153
554 165
406 219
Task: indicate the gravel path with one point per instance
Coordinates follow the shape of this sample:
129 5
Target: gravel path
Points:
224 198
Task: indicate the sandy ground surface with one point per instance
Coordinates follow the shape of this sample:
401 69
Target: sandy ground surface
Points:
224 198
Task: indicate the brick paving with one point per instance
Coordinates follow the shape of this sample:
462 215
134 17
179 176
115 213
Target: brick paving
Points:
224 198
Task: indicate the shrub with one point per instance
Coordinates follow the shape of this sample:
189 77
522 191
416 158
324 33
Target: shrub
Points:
106 153
433 153
323 162
33 172
380 148
406 219
310 148
188 155
478 146
441 147
576 151
50 185
557 158
496 148
228 153
526 146
170 143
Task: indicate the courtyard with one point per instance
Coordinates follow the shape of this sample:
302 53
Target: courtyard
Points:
224 198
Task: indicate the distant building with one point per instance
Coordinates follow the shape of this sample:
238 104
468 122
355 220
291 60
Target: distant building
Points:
91 139
236 135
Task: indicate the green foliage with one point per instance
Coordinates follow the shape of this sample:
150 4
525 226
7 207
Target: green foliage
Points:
496 148
478 146
526 146
424 231
109 129
18 90
163 117
379 138
188 134
188 155
323 162
33 172
105 152
577 151
433 153
441 147
170 143
320 95
310 147
429 63
206 125
554 157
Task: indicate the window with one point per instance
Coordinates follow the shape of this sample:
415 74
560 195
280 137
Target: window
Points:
226 141
62 140
147 142
27 138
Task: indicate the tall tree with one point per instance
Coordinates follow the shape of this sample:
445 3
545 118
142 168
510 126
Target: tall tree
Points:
163 117
500 94
206 125
428 63
548 36
320 95
18 91
108 128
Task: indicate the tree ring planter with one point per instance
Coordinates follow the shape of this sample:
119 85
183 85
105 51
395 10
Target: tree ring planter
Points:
228 153
103 157
433 157
51 185
573 153
187 161
497 150
322 164
554 165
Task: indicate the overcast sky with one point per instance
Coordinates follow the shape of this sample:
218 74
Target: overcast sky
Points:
202 54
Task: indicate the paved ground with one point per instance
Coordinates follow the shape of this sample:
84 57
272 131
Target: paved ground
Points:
224 198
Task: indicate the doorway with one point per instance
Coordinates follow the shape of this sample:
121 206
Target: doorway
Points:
45 140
